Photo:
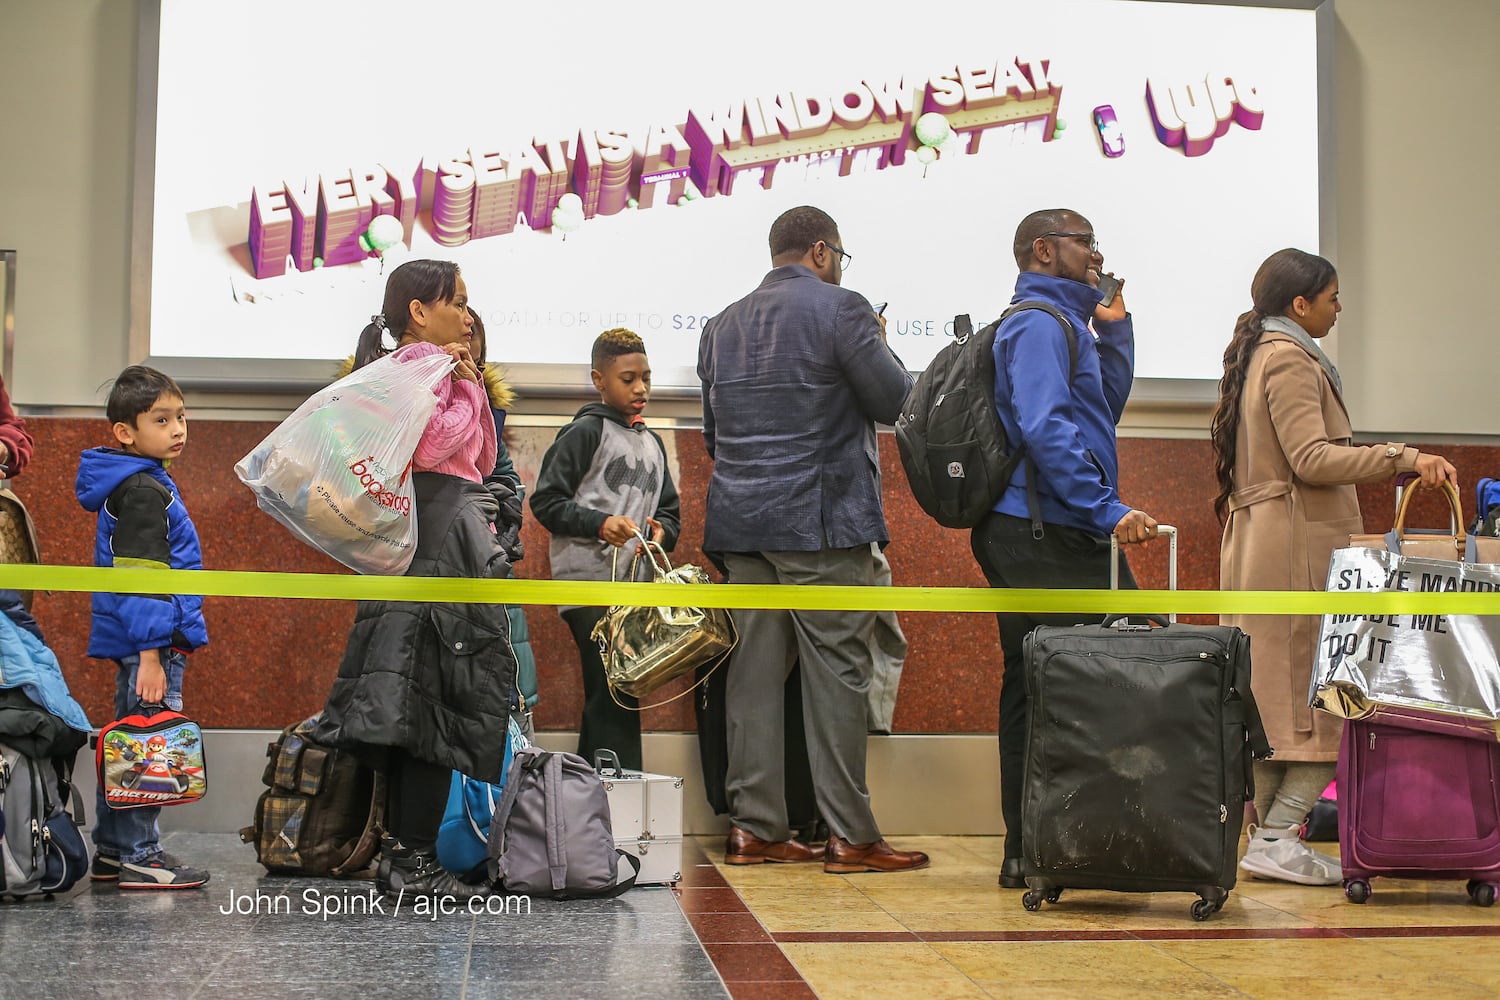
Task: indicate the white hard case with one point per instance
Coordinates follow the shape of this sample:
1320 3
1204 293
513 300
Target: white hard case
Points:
645 812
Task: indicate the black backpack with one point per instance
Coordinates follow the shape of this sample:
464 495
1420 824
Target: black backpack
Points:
953 446
322 809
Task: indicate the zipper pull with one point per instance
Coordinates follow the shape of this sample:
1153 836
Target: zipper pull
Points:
1372 741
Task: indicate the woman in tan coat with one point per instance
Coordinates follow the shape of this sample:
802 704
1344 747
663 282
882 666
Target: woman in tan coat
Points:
1286 468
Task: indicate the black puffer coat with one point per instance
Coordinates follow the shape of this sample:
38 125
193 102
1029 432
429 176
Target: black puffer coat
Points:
436 680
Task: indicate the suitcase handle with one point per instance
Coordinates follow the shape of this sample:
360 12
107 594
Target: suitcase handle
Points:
1170 531
607 762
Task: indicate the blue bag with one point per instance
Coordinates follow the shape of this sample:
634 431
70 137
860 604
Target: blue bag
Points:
464 836
1487 518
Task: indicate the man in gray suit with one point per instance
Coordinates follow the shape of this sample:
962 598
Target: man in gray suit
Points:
795 375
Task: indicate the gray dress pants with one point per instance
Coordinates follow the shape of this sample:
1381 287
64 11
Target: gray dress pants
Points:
834 649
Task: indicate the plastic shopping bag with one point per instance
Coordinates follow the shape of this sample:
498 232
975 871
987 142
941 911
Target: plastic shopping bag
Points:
337 472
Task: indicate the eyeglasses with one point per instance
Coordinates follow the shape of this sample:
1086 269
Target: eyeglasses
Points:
1090 240
844 258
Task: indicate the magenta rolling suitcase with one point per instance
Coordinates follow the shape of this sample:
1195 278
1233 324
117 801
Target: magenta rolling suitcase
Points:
1419 798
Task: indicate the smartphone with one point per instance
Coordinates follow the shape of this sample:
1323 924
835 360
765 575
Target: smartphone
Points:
880 309
1109 285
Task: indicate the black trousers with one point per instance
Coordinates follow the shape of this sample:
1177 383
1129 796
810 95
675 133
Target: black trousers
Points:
1063 558
605 725
416 793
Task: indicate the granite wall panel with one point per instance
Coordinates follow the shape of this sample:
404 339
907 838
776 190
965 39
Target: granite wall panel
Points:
271 661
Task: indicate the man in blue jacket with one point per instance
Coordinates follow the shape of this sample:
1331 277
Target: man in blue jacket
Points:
1065 417
795 375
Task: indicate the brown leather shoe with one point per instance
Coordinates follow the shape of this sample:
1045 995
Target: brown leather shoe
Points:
844 858
743 848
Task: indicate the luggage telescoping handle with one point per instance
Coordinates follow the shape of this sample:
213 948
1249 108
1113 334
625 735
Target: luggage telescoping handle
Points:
1168 530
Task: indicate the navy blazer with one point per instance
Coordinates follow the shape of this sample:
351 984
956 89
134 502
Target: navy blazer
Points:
795 376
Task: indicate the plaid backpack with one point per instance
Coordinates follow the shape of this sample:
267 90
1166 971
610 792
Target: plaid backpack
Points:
321 812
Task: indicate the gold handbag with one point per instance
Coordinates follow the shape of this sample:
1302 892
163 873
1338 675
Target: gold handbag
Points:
646 647
18 542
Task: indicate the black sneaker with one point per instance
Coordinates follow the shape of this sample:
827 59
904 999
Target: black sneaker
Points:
160 871
105 869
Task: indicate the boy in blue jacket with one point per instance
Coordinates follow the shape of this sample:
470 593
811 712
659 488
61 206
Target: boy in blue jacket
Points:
143 524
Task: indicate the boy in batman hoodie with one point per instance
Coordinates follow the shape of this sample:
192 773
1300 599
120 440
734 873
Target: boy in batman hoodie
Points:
142 524
605 479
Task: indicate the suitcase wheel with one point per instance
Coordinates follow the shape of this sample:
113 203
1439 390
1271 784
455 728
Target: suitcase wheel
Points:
1482 893
1032 898
1357 890
1209 904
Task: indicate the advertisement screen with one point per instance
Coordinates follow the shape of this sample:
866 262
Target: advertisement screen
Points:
592 166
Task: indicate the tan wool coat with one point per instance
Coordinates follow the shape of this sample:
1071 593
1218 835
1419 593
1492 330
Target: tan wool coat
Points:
1294 503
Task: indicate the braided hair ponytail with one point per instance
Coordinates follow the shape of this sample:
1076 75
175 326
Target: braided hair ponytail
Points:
1280 280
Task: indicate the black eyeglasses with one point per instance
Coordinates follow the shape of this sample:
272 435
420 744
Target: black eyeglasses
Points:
1090 240
844 258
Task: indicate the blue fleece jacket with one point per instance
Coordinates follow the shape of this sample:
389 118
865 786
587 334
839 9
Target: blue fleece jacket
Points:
143 524
1068 429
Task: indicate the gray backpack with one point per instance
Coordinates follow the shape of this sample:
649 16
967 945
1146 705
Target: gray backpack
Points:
42 851
551 834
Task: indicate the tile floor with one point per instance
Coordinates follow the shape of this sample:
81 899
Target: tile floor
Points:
948 931
97 941
769 932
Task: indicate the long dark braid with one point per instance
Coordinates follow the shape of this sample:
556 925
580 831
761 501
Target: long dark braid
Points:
1281 278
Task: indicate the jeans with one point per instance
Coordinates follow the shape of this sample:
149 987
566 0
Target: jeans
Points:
133 834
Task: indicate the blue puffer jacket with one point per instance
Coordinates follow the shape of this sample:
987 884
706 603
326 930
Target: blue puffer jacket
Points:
143 524
32 668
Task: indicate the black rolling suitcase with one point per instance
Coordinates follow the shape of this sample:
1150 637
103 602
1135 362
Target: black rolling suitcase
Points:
1140 739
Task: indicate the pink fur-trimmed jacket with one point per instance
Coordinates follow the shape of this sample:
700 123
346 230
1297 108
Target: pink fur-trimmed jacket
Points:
460 436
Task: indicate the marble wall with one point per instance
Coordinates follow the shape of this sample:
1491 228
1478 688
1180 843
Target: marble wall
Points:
271 661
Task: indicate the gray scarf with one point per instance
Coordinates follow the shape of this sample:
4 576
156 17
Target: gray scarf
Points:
1280 324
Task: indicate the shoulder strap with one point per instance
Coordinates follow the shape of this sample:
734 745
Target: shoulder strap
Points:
368 844
1033 502
1255 730
1056 314
525 760
556 823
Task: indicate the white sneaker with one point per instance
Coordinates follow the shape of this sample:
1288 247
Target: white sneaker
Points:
1280 855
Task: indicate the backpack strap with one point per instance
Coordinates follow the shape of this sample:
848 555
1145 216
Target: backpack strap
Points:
556 822
557 839
622 885
527 759
368 844
1033 502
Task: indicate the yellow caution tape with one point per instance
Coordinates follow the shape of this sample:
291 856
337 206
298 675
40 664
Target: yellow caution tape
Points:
330 586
